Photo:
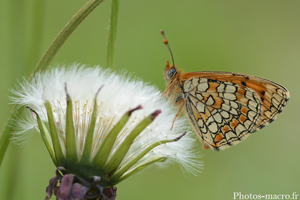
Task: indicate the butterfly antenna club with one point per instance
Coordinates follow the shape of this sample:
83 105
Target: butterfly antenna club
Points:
167 44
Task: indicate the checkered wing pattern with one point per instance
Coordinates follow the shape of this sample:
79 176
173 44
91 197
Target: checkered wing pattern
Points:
224 108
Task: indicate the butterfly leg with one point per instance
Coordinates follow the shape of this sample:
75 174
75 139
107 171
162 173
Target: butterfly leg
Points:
169 86
179 115
183 102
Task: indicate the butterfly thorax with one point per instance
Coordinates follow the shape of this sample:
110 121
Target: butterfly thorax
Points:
174 90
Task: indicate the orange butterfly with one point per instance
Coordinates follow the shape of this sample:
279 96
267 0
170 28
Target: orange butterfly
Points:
223 107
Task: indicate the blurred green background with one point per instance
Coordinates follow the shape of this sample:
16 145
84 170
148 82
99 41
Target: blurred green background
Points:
255 37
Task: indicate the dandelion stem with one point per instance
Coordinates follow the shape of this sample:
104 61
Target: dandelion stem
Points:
112 33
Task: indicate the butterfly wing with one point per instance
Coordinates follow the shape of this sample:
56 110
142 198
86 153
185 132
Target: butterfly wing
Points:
224 108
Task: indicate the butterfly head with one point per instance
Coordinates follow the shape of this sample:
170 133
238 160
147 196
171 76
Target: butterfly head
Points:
170 72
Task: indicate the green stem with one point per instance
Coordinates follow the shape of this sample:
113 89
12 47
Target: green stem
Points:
43 64
6 136
112 33
15 28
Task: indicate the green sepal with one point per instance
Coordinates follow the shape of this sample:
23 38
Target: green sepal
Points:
45 136
71 148
139 167
60 158
134 160
107 144
86 155
115 160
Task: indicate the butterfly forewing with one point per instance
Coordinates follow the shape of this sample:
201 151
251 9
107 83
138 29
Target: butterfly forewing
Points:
224 108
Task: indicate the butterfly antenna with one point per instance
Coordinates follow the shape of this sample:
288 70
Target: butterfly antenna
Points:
167 44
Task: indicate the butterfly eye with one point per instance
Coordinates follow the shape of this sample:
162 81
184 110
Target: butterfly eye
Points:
171 72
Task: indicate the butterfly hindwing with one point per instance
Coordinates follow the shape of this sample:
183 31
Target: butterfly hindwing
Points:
273 96
222 115
224 108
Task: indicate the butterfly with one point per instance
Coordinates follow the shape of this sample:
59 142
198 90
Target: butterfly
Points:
223 108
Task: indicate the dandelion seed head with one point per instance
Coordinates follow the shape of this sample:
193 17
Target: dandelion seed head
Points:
119 94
